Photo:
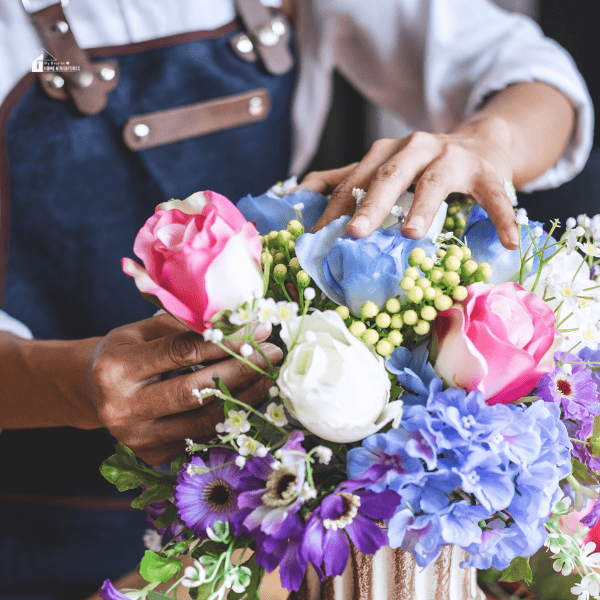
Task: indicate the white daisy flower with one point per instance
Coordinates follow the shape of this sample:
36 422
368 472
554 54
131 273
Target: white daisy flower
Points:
236 423
276 415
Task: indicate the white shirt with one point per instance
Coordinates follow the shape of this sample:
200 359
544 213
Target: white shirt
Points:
432 62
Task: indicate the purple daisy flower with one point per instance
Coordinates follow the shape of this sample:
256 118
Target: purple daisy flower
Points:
204 498
283 549
281 488
346 514
109 592
576 393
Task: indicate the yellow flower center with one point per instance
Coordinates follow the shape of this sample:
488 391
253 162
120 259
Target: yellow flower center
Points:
588 334
277 414
284 313
583 302
566 291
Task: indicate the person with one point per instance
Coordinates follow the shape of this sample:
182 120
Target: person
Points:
491 101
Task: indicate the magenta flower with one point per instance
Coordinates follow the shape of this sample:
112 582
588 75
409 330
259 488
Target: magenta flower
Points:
344 514
109 592
204 498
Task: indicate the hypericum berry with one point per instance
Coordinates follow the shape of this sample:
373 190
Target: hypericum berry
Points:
422 328
384 348
484 271
416 256
426 265
343 311
441 253
430 293
451 278
469 267
449 223
369 310
412 272
454 250
383 320
392 305
410 317
452 262
397 322
357 328
423 283
436 274
428 313
443 302
460 293
370 336
407 284
394 337
466 251
415 294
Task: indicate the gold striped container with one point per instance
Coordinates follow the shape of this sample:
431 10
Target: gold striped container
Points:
394 575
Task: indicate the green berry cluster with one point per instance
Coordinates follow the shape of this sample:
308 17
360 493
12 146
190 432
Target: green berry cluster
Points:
429 288
456 216
280 265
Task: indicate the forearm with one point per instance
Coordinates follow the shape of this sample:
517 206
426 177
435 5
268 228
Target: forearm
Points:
533 121
45 383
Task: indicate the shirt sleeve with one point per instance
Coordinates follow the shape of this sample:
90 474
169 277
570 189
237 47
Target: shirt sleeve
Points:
7 323
433 63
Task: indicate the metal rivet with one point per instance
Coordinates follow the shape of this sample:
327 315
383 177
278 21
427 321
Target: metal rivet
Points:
107 73
141 130
244 44
278 26
255 105
55 81
60 27
81 79
267 37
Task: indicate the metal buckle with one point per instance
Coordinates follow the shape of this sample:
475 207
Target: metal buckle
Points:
29 9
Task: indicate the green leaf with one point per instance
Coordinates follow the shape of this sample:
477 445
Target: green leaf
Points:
124 471
167 517
518 570
152 595
582 473
209 548
156 492
158 568
202 592
177 464
227 405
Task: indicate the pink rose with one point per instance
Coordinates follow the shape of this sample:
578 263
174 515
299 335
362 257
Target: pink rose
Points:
201 257
499 340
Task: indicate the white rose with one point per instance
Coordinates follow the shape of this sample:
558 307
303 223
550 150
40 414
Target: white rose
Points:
332 382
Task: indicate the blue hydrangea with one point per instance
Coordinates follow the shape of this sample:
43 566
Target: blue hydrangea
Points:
271 213
456 462
482 238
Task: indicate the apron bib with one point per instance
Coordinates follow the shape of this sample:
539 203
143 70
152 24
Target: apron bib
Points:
81 186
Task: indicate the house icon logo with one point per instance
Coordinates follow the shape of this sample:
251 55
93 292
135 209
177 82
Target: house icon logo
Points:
43 61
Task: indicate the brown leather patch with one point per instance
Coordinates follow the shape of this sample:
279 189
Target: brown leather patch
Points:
167 126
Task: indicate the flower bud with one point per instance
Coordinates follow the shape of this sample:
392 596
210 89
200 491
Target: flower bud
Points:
430 293
460 293
466 252
383 320
397 322
283 237
451 278
384 348
295 265
392 305
436 274
428 313
415 294
280 272
449 223
407 284
423 283
266 259
369 310
412 272
357 328
394 337
416 257
343 311
443 302
295 228
370 336
279 258
422 328
272 236
459 223
303 278
484 271
426 265
441 253
452 263
469 267
453 209
410 317
291 245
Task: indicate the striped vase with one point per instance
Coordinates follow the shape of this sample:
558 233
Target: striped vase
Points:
394 575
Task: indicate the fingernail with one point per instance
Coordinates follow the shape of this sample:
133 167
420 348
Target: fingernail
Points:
414 223
360 222
273 352
262 331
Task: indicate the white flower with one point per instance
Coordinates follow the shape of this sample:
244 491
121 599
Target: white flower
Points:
240 461
189 445
570 223
590 334
583 220
298 206
236 423
250 447
285 311
194 576
588 587
246 350
595 226
359 195
281 189
242 316
588 555
133 594
521 219
589 249
276 415
309 293
152 540
537 232
267 311
327 376
237 579
522 212
273 391
212 335
324 454
307 492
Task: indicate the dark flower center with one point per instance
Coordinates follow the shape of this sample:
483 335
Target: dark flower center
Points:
281 488
350 510
564 387
284 483
218 495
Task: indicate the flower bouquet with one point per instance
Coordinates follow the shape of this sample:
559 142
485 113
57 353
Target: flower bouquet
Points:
436 403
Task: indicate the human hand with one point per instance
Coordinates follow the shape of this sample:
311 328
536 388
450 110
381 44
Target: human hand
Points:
153 416
473 160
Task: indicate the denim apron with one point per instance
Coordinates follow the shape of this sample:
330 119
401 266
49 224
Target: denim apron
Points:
78 197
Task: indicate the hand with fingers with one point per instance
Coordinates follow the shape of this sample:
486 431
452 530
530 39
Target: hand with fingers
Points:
437 164
154 416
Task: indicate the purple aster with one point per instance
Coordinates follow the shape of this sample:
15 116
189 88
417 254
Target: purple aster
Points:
204 498
576 394
109 592
280 489
346 514
283 549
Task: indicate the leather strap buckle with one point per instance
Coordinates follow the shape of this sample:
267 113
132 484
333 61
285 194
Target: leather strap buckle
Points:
70 73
